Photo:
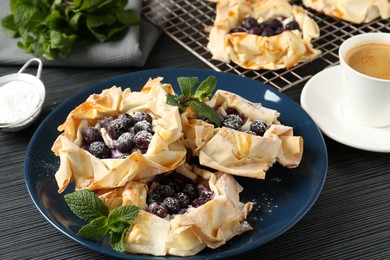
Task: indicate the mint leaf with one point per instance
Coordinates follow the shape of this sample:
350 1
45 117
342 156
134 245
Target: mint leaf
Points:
35 21
118 227
117 240
128 17
171 100
86 205
103 27
206 88
195 100
55 21
28 17
97 228
61 42
94 5
9 26
123 214
22 14
75 21
204 110
187 85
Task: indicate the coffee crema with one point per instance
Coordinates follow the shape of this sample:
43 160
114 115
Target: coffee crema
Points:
371 59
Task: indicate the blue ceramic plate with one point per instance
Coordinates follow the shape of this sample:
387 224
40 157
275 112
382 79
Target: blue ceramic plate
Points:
282 199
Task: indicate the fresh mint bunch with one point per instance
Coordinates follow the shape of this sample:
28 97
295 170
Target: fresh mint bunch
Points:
48 28
87 206
193 94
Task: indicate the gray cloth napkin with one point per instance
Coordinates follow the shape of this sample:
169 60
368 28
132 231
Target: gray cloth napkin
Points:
131 49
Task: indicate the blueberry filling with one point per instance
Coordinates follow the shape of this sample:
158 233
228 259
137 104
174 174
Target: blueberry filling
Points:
142 116
99 150
270 27
125 142
129 134
174 194
91 134
234 120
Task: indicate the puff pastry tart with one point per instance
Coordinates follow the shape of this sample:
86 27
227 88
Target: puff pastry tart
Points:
249 142
355 11
209 219
118 136
262 34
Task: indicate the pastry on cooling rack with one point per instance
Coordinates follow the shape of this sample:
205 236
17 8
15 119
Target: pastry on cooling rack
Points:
355 11
182 212
262 34
249 142
117 136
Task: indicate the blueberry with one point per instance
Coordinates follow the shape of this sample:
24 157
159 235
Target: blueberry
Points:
172 205
91 134
170 180
267 32
250 132
105 121
116 129
191 190
125 143
122 156
293 25
182 211
237 30
263 25
158 209
154 197
259 127
126 120
142 150
279 30
248 22
100 150
143 126
204 197
142 139
233 121
173 184
142 116
165 191
255 30
183 199
274 24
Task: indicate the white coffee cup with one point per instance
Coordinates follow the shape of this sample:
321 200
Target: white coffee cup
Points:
367 97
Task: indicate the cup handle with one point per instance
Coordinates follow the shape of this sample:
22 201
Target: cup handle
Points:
39 71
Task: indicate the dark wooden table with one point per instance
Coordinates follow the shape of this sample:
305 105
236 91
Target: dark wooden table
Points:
351 218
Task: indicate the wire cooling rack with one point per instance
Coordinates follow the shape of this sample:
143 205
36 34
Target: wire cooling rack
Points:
186 21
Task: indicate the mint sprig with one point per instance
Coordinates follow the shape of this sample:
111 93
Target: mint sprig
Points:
193 94
49 28
87 206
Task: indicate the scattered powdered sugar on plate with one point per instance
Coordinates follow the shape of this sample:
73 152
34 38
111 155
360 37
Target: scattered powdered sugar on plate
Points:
18 101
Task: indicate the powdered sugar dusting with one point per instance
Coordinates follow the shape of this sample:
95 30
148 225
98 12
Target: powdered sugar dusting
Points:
18 100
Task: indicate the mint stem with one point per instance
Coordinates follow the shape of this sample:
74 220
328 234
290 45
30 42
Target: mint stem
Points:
187 100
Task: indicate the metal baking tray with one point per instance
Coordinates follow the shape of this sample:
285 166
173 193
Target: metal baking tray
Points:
186 21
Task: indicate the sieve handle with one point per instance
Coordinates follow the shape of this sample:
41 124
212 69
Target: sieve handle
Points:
39 71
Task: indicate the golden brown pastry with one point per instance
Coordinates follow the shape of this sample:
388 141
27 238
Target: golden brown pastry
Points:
236 151
258 50
164 152
211 224
355 11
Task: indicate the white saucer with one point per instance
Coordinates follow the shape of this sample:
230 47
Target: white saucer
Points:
322 98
